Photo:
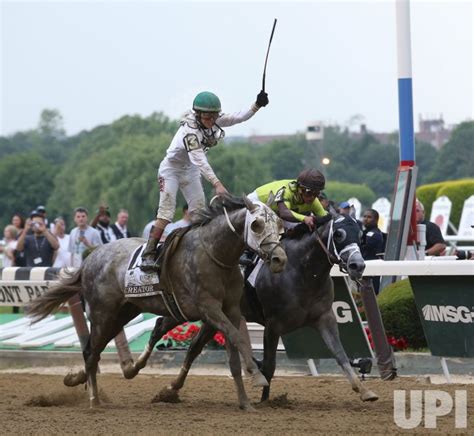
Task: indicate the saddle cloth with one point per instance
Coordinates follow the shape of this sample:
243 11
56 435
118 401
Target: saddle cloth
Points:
253 275
137 282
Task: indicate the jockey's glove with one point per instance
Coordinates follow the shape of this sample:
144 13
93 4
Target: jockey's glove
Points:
262 99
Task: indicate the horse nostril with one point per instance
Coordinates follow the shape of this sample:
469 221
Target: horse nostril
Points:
356 266
276 259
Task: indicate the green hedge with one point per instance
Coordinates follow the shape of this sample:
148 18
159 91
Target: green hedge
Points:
399 313
427 194
340 191
456 190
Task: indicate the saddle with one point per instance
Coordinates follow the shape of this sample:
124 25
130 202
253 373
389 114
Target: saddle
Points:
145 284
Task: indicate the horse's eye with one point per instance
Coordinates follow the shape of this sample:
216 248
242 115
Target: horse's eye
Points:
340 235
257 226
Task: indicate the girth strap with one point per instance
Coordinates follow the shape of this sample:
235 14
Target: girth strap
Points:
166 285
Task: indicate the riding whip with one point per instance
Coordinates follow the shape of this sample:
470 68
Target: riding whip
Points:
268 51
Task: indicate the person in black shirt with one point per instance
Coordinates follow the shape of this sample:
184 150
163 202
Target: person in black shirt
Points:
40 245
372 241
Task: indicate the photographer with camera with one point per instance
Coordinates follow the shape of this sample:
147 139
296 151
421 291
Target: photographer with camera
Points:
40 245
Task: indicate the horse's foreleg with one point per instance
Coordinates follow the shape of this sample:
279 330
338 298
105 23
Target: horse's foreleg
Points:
216 317
236 371
327 326
205 334
270 345
162 326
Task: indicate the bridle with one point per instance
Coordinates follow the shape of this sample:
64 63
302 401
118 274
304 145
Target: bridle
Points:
262 254
335 257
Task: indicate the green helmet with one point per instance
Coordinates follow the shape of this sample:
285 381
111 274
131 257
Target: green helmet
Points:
207 102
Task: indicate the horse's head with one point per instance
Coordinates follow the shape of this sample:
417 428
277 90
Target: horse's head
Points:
263 229
343 234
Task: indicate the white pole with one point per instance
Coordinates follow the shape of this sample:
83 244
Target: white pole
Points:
312 368
444 365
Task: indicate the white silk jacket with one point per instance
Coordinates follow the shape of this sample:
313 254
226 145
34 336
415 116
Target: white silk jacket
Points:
192 141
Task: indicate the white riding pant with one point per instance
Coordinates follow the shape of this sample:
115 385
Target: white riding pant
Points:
188 180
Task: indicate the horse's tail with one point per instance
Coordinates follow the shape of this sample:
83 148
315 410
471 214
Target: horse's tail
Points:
68 286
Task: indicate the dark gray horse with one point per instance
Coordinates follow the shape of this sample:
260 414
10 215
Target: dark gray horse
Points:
205 277
302 295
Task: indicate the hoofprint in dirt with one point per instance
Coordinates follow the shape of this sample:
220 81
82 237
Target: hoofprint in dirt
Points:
40 404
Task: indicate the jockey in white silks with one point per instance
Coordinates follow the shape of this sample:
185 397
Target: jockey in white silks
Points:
186 160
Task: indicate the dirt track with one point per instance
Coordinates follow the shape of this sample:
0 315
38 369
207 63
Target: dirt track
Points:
40 404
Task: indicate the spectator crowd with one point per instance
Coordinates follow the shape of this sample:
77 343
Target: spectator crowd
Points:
35 241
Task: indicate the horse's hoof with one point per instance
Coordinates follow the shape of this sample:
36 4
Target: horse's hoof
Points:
248 408
369 396
94 402
72 379
259 380
167 395
129 370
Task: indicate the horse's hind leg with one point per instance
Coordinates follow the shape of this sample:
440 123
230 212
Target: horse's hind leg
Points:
103 330
327 326
203 337
162 325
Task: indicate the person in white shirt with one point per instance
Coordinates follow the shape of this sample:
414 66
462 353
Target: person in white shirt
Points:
82 237
183 222
63 257
8 245
186 161
120 227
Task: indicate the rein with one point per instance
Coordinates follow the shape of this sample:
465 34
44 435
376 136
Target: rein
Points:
335 259
265 256
210 255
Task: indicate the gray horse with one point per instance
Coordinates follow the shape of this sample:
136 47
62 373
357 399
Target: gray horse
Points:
302 295
205 278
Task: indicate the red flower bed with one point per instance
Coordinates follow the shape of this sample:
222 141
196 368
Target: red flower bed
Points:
397 344
182 335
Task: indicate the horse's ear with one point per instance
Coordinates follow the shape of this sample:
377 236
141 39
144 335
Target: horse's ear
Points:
333 211
271 198
248 204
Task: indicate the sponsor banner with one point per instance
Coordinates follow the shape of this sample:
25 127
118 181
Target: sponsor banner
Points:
307 342
467 219
440 212
382 206
446 308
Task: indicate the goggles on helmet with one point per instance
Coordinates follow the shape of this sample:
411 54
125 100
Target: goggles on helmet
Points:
209 115
309 191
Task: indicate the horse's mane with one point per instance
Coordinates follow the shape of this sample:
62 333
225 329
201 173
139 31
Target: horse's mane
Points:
216 208
299 231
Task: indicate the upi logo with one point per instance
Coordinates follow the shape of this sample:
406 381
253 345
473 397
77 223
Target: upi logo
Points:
435 404
447 313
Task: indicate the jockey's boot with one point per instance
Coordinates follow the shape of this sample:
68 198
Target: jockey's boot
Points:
149 253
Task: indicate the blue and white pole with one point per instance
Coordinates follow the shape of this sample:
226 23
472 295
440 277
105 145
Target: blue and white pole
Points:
405 93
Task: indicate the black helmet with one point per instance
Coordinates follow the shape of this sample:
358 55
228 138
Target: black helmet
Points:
311 179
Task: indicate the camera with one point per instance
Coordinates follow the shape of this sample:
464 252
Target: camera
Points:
35 226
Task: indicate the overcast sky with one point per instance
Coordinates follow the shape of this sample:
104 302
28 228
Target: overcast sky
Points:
97 61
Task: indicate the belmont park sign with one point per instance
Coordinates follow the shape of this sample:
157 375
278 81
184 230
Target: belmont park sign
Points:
18 286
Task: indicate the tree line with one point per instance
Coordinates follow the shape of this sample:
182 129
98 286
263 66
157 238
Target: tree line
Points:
117 164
